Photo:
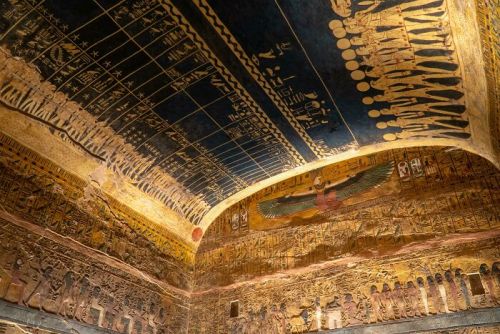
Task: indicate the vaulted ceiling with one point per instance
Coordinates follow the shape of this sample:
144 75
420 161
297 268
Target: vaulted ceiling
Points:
196 104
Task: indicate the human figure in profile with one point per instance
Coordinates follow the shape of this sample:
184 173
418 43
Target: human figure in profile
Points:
399 299
14 290
442 292
67 293
42 289
412 296
495 271
453 288
83 297
434 294
462 278
487 277
388 302
423 294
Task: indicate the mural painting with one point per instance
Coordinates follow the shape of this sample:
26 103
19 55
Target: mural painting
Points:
394 59
414 285
322 194
188 109
182 102
425 193
69 281
335 189
325 194
35 189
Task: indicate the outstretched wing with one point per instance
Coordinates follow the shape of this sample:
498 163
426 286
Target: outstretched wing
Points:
367 179
364 180
284 206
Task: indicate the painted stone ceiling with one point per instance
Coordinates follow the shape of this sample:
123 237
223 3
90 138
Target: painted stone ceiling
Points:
196 101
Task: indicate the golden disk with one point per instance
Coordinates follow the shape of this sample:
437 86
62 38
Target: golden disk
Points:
363 86
374 113
381 125
358 75
339 32
335 24
390 136
367 100
352 65
348 54
343 43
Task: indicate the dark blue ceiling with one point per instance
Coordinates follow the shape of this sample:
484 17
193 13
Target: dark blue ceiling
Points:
222 94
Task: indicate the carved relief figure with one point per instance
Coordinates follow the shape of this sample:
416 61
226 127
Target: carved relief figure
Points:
434 295
387 302
126 324
317 315
399 300
74 286
351 312
464 287
495 271
412 295
334 314
95 305
487 277
14 290
68 293
423 294
453 288
376 303
442 292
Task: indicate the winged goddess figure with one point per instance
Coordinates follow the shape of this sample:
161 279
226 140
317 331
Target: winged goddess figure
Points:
322 196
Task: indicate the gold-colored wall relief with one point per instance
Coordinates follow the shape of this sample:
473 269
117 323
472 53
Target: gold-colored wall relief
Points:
423 193
72 281
182 171
411 284
488 17
35 189
22 89
414 57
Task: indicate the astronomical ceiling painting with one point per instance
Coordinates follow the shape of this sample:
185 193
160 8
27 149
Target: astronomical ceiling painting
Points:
194 101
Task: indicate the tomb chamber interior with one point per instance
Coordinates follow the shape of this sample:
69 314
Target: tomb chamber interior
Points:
249 167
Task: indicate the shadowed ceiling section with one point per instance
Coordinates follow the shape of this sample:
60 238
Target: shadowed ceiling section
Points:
195 101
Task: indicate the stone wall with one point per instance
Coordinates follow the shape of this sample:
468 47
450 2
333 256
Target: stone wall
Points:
433 278
50 273
69 250
419 248
424 245
457 193
37 190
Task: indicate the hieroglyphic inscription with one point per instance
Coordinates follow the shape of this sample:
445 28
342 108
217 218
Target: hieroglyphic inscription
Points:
488 17
40 273
131 94
304 108
37 190
454 192
409 285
